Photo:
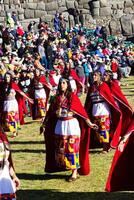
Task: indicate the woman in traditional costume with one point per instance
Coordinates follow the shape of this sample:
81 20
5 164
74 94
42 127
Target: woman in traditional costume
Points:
9 182
9 104
67 133
101 105
40 89
122 103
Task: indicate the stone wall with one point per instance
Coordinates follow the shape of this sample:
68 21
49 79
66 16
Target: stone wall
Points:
117 15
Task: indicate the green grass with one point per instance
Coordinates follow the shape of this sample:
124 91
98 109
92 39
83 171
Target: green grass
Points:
29 154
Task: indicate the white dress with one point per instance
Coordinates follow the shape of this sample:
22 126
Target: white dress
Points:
67 127
7 185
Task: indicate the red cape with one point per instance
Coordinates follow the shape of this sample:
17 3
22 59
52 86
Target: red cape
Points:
116 116
76 106
21 102
124 107
121 174
43 80
51 79
76 78
3 137
19 98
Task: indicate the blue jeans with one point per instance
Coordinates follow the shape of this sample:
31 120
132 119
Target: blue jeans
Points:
44 61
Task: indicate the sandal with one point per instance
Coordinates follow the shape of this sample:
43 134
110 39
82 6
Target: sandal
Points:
72 179
104 152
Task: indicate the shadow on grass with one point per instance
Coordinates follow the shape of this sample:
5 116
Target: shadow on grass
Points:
31 122
128 88
57 195
27 142
129 95
94 151
44 176
28 151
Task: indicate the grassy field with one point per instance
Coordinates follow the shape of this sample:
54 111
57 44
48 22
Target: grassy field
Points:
28 155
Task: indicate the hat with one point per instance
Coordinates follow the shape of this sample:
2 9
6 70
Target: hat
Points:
4 58
88 55
84 60
14 53
99 60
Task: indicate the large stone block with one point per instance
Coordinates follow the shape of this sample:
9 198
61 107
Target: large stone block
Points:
1 7
32 6
120 5
49 1
2 13
16 2
2 19
86 6
114 6
10 10
51 6
118 14
115 27
17 7
76 5
6 7
53 12
132 23
83 1
45 1
31 1
128 10
71 21
96 4
85 11
20 11
70 4
61 3
40 13
41 6
47 18
96 12
105 11
6 2
80 6
126 24
21 17
104 3
29 14
24 5
62 9
128 3
12 7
